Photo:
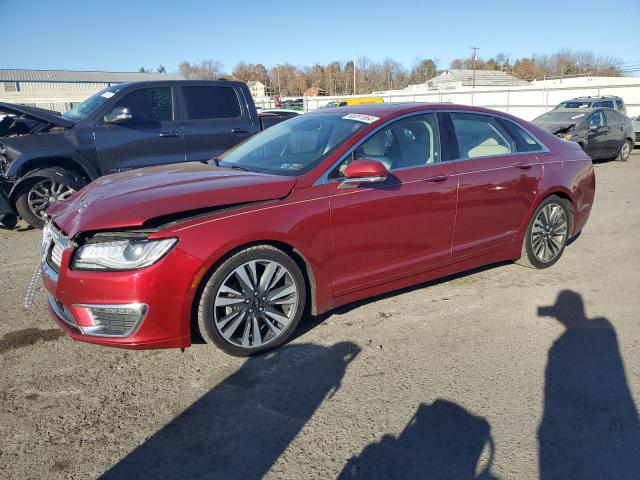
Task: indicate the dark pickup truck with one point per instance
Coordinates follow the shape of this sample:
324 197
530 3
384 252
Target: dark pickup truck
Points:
45 157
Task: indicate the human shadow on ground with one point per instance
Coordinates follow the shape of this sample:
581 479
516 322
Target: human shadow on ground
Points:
442 441
590 427
240 428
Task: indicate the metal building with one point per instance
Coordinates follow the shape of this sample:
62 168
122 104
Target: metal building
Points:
59 90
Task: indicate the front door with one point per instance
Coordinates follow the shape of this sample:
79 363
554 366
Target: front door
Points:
402 226
598 136
151 137
498 174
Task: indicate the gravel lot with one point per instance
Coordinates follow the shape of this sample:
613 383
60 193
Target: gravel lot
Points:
504 372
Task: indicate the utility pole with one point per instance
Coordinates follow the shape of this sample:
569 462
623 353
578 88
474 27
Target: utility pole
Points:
475 49
278 70
354 74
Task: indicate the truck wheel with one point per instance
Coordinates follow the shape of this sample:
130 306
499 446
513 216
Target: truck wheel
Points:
625 151
8 221
44 188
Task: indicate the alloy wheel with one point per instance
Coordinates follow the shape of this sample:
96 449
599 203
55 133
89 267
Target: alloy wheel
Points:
549 232
255 303
625 151
46 193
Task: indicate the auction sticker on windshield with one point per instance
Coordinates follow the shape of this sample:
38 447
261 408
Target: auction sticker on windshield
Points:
361 117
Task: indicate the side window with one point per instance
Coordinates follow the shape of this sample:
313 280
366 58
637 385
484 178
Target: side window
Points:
612 117
149 105
410 142
481 136
596 119
211 102
523 141
619 103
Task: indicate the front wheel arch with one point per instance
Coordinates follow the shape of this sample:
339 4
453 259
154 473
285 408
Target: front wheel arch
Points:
294 253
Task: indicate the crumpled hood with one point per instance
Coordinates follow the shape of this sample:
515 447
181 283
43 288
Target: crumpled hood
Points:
131 198
553 127
36 114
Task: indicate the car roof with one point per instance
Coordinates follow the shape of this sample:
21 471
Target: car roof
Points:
575 110
592 99
178 82
392 109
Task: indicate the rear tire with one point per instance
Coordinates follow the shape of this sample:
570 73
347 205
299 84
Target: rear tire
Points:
625 151
547 233
252 302
42 189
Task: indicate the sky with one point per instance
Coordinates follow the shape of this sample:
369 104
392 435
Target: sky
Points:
118 35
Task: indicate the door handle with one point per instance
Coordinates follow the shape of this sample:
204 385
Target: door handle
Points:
168 134
239 131
523 166
436 178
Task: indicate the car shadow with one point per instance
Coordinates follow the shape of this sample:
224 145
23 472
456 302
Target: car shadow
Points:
442 441
310 322
240 428
590 426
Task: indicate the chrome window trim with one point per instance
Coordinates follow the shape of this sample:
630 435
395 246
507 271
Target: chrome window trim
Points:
324 178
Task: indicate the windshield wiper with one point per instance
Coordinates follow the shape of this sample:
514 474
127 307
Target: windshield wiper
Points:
216 161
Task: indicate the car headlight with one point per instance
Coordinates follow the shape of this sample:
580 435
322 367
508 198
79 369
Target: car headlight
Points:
121 254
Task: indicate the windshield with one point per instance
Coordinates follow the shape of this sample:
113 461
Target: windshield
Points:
84 108
574 104
292 147
561 117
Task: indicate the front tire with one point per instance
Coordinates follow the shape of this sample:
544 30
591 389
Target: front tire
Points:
547 233
252 302
8 221
44 188
625 151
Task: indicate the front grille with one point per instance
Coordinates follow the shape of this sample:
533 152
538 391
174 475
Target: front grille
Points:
637 137
56 254
54 244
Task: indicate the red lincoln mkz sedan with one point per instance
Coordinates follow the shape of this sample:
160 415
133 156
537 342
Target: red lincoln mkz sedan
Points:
321 210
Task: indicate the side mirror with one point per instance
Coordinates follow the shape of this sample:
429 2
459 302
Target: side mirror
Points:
364 171
594 128
118 115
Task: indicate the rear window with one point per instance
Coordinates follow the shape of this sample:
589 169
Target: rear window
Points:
605 103
488 136
211 102
575 104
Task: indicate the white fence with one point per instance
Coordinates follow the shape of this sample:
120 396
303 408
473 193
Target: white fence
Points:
523 102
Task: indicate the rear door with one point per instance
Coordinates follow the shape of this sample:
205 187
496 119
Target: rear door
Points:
499 173
216 118
151 137
615 122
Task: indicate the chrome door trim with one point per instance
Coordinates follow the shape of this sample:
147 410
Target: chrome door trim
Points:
324 178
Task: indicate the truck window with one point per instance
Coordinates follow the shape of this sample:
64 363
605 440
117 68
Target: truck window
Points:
211 102
149 104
